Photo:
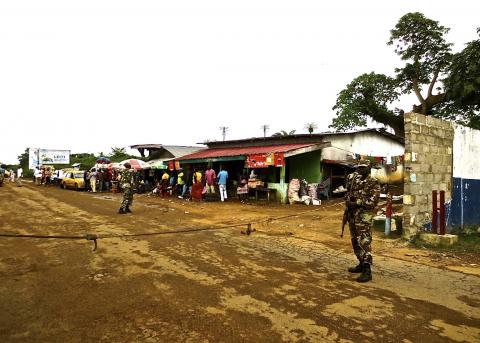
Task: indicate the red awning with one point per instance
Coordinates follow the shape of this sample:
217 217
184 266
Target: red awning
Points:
244 151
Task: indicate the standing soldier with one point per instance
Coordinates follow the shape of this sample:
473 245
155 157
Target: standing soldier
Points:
127 178
363 191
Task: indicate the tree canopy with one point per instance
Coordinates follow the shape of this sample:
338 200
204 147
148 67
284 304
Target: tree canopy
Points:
310 127
446 85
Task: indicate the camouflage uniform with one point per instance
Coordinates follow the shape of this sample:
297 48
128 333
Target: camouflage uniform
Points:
127 179
2 176
365 193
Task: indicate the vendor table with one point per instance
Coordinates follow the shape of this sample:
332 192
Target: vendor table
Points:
261 190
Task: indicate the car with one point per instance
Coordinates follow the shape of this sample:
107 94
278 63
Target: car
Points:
73 179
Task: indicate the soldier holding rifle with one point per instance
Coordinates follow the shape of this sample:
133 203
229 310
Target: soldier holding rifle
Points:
363 191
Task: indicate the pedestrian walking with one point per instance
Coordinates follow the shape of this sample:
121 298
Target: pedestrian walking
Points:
363 192
19 176
48 176
101 180
180 182
242 189
127 180
86 180
93 180
164 184
38 176
187 188
222 183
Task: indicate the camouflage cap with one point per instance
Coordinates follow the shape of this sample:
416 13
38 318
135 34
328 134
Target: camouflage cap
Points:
363 163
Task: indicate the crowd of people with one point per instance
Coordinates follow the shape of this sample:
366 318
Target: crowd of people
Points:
104 178
43 176
13 176
199 184
192 184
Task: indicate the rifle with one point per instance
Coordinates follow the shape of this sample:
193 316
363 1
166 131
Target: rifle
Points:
344 221
346 215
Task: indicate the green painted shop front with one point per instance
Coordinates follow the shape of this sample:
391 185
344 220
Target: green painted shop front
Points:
304 166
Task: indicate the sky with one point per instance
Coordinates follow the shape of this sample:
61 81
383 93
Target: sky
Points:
86 76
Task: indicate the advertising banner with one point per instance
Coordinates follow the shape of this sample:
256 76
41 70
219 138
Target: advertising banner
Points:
265 160
256 161
33 161
38 157
48 156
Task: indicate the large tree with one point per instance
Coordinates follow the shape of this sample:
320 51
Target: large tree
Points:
445 85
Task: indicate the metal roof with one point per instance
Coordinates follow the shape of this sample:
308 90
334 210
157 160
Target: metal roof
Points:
175 150
179 151
146 146
319 136
243 151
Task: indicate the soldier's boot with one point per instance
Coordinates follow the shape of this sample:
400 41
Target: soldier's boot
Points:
356 269
366 273
127 210
121 211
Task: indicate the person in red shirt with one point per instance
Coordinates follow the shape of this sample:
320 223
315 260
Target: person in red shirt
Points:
210 178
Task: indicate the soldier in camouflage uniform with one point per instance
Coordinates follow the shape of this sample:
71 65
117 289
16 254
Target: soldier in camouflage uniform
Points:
127 179
363 191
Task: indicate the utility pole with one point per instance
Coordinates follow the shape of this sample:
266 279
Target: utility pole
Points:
265 129
224 130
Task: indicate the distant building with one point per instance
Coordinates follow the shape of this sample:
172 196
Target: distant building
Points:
158 155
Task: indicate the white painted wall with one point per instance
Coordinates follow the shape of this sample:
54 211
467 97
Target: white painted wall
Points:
466 153
363 143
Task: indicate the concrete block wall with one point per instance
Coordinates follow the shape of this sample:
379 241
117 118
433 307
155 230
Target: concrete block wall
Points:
428 166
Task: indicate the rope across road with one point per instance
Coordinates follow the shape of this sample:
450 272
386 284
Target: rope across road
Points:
94 237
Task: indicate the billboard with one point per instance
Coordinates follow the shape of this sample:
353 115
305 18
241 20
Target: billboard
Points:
38 157
33 158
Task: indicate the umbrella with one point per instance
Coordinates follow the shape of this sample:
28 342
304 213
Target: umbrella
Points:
103 160
115 165
136 164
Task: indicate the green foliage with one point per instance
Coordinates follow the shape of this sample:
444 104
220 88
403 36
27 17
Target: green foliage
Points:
310 127
23 161
283 133
119 154
463 85
368 95
420 43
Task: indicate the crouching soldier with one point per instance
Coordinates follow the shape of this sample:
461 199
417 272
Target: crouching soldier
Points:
363 191
127 179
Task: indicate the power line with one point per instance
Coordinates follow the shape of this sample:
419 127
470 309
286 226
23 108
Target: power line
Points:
94 237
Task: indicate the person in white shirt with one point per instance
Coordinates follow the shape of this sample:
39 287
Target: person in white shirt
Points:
19 176
38 176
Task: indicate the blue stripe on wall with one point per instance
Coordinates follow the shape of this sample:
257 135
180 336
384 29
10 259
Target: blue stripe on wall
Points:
465 204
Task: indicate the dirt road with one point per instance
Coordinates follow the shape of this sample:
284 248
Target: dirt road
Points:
287 282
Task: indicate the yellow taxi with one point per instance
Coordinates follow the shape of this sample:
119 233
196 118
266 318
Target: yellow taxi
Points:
73 179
